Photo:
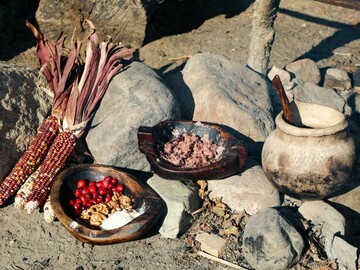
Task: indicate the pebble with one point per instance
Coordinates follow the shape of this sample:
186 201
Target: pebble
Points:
284 75
211 243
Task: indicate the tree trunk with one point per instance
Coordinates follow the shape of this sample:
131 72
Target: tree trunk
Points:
262 34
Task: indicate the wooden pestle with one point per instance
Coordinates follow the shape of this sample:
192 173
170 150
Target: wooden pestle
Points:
288 115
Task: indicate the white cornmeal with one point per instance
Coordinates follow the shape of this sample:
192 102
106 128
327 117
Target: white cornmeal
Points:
121 218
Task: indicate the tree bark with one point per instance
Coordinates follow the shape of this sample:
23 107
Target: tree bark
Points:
262 34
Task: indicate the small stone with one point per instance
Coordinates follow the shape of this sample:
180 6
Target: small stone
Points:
211 243
356 78
306 70
284 75
181 200
337 79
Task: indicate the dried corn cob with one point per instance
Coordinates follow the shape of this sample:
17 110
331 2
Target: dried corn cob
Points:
59 151
49 214
24 191
30 160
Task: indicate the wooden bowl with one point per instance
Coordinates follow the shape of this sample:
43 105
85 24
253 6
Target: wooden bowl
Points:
65 184
151 141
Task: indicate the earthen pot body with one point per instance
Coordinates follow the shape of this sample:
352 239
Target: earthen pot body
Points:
312 158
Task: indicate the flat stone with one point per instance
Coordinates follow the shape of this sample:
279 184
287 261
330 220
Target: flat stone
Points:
249 191
306 70
229 93
211 243
271 242
345 254
23 107
332 222
284 75
337 79
312 93
181 200
135 97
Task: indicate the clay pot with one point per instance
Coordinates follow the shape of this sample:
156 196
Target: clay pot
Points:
312 158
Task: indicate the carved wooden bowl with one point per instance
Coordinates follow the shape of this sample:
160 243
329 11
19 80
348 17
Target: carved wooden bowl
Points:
152 139
65 184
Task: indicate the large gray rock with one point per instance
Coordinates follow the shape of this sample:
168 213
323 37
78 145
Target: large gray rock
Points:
271 242
250 191
124 20
345 254
23 106
181 200
135 97
229 93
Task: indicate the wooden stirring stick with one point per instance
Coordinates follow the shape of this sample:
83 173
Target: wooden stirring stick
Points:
276 82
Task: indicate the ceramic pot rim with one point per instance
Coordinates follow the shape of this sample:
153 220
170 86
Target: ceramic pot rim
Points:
308 132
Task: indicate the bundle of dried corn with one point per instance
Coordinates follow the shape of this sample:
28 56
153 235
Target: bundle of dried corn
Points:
101 64
60 72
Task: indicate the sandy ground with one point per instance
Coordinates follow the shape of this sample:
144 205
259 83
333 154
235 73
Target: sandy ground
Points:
329 35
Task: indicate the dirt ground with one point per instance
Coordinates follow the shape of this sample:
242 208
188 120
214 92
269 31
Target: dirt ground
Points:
328 34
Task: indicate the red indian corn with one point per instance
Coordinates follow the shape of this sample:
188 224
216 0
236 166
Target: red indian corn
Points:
63 145
31 158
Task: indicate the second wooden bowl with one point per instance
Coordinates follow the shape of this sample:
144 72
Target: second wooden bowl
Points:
65 184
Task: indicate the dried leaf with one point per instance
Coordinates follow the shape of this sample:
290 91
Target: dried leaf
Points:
231 230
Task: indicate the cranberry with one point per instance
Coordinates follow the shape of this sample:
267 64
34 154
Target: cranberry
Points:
77 206
119 188
107 178
113 181
77 200
102 191
106 183
81 183
99 199
71 202
92 184
83 199
92 189
78 192
77 212
99 184
108 198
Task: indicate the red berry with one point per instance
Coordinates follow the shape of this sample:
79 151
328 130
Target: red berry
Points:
107 178
78 192
81 183
106 183
86 190
77 200
92 189
108 198
99 199
92 184
77 212
102 191
119 188
71 202
113 181
77 206
83 199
